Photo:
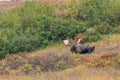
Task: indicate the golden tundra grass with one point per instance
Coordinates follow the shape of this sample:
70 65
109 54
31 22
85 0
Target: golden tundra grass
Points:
77 73
69 74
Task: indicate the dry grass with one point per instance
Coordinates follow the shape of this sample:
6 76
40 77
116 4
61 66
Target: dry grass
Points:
108 43
70 74
9 5
103 65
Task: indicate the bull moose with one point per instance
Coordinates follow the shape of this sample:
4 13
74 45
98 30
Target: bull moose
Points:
79 47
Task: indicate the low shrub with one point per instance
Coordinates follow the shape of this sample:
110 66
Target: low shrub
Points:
35 25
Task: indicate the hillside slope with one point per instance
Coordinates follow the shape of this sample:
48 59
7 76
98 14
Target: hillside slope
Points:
50 61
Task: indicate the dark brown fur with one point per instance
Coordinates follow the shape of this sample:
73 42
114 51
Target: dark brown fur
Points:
82 48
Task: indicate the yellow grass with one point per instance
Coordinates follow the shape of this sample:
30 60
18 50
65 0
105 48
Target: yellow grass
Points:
69 74
81 72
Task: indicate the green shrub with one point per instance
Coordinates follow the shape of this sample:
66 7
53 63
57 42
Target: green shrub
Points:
60 65
97 12
35 26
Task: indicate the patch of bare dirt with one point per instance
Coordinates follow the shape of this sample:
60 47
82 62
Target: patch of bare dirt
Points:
8 5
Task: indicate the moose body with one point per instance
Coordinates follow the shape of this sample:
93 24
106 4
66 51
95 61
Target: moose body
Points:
79 47
82 48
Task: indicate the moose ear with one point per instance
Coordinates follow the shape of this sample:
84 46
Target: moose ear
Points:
66 42
78 41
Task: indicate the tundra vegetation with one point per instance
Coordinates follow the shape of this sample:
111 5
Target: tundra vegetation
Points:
35 26
56 63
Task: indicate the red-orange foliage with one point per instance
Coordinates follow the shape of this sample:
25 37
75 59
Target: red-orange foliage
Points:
80 36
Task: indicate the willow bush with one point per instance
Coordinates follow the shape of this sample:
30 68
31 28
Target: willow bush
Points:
35 25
